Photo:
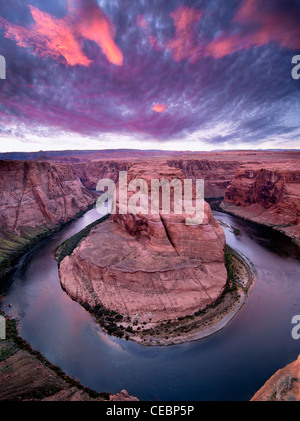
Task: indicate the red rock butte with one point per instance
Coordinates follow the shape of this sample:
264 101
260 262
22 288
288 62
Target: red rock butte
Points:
149 267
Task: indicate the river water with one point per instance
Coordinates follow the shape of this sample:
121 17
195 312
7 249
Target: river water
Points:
230 365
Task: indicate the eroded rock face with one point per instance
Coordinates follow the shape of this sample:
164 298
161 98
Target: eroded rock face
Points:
284 385
33 194
217 175
91 172
269 195
149 267
36 197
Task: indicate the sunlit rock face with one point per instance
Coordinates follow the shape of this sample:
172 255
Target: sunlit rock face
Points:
267 194
36 197
39 193
284 385
149 267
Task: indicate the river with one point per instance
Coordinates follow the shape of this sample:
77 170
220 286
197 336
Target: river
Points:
230 365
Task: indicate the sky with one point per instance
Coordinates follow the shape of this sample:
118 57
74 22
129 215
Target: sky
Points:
149 74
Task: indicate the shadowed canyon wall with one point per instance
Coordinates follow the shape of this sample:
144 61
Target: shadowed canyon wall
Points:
269 195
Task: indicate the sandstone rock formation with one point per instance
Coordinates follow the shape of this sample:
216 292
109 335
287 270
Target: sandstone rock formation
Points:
216 168
91 172
269 195
35 197
217 174
123 396
284 385
149 267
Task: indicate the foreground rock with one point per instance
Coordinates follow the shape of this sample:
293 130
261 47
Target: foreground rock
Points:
284 385
267 195
24 377
148 268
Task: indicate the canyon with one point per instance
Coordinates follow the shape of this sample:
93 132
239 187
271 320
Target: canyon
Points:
45 190
130 263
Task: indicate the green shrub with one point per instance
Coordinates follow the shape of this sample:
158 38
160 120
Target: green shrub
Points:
68 246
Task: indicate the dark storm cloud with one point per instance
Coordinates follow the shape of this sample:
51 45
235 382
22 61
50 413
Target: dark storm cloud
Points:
208 62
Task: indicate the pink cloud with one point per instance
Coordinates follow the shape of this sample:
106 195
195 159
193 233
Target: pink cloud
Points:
159 108
142 23
61 39
259 25
184 45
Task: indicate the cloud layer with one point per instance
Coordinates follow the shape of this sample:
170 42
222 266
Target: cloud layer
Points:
211 72
61 39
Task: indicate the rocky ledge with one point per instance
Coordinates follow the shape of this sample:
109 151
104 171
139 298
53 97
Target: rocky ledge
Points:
269 195
35 198
284 385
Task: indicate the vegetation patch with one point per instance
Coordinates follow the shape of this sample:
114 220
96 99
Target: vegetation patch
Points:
109 320
68 246
12 246
236 232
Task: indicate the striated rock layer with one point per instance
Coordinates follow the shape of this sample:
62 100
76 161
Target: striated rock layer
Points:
284 385
216 168
35 197
269 195
149 267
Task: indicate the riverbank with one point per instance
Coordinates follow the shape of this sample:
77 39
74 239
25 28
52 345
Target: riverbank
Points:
241 277
25 374
289 231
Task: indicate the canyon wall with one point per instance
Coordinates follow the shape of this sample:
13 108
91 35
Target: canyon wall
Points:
217 169
217 174
91 172
34 198
149 267
269 195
